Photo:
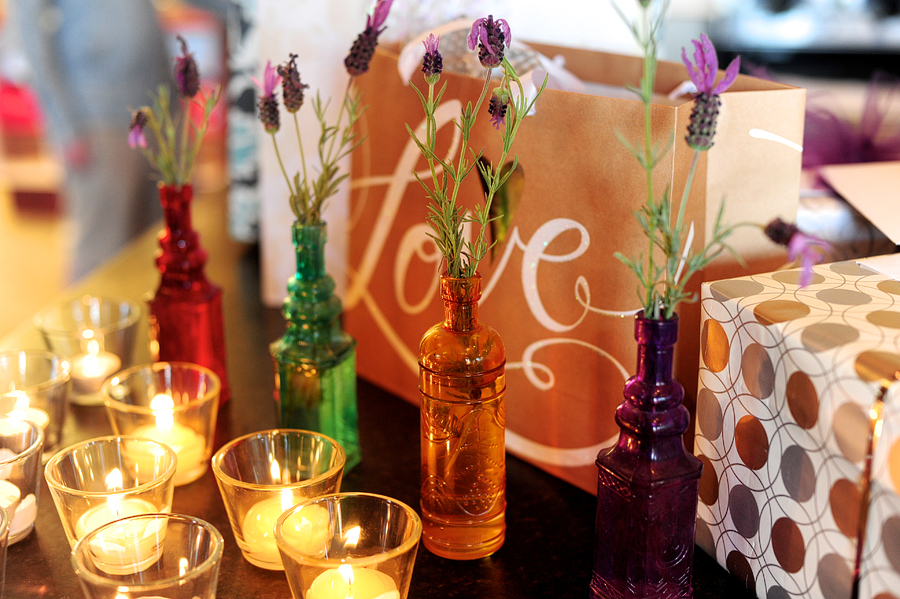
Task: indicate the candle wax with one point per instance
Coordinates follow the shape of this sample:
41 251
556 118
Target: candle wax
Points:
90 370
307 531
130 546
10 496
347 582
15 404
101 514
35 415
187 444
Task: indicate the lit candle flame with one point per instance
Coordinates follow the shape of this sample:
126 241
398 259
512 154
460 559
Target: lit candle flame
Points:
275 471
287 499
21 400
182 566
352 537
114 483
346 570
164 409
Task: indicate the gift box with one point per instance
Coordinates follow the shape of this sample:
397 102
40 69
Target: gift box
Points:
800 459
552 288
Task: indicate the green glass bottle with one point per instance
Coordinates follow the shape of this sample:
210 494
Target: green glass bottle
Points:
315 360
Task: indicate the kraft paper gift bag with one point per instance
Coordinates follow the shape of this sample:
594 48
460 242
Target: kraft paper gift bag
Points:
552 288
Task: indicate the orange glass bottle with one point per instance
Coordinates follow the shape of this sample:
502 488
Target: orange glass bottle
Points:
462 386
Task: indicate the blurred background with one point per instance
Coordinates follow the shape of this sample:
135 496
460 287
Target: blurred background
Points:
831 47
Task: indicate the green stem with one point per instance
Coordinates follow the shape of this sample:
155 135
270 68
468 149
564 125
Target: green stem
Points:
337 125
284 172
300 143
687 190
647 97
182 152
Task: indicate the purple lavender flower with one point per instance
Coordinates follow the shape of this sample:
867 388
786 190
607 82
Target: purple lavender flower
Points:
433 63
489 36
268 103
291 86
703 72
497 106
186 76
809 250
136 137
357 61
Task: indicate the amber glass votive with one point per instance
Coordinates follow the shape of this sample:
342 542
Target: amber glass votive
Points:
349 545
262 474
107 478
151 555
171 402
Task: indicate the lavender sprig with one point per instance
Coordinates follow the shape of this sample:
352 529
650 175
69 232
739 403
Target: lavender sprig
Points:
309 195
174 155
804 250
662 285
446 217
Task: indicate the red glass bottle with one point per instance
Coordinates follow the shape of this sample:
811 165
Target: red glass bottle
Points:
186 311
648 483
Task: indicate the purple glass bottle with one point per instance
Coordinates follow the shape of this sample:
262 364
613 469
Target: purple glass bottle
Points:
648 483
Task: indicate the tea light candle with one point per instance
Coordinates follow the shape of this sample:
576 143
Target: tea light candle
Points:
308 531
347 582
115 507
21 409
128 547
22 512
91 369
188 445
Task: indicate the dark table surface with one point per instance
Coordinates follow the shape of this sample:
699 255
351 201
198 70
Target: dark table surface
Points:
549 542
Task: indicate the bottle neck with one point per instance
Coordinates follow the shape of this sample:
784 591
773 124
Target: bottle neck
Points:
652 419
309 243
460 298
181 259
176 205
655 357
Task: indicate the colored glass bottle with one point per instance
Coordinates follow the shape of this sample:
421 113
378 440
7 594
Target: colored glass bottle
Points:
186 311
648 483
315 360
462 385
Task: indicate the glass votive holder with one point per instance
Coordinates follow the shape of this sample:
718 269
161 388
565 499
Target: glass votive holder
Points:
21 449
349 545
175 403
96 335
150 555
4 542
262 474
34 385
107 478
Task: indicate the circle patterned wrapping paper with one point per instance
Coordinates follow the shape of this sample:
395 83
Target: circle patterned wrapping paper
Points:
787 379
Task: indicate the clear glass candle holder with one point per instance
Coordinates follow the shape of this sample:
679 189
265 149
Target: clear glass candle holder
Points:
171 402
21 449
107 478
96 335
349 545
34 385
262 474
4 542
155 555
